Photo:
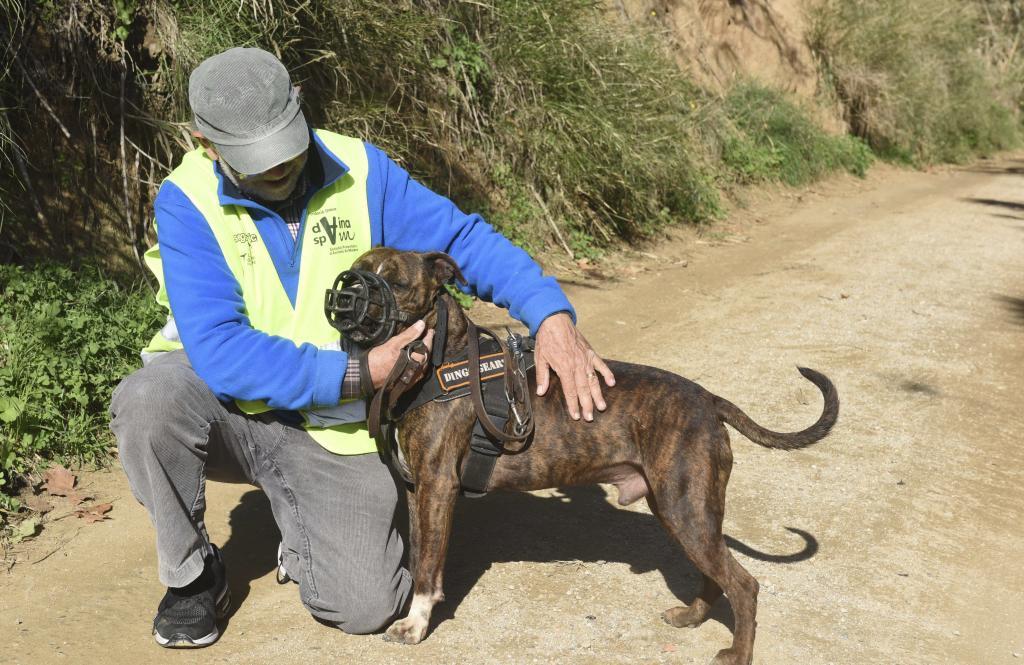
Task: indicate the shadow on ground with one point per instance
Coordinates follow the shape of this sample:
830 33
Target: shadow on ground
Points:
251 550
919 388
996 203
1003 167
1015 306
580 526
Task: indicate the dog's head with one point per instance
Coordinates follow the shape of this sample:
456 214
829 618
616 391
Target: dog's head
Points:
412 282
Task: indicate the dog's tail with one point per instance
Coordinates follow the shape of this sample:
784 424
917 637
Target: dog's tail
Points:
732 414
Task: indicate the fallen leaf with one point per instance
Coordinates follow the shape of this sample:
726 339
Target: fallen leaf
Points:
95 513
27 529
76 497
58 481
38 504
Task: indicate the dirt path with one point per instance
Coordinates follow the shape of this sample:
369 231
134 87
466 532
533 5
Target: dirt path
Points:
906 289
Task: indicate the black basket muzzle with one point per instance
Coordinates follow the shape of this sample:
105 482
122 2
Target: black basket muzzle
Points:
362 307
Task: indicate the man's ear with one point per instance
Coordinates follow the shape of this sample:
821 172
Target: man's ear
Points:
443 267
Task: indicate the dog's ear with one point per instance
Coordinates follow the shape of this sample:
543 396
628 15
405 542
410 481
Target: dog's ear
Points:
443 267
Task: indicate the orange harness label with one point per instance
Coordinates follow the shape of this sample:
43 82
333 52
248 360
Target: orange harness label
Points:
456 375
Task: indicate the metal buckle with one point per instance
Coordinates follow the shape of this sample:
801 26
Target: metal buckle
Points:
518 400
416 346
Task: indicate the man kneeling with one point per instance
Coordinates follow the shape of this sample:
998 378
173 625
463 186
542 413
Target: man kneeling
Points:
247 381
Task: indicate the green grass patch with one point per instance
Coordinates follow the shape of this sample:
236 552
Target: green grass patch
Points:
66 339
769 137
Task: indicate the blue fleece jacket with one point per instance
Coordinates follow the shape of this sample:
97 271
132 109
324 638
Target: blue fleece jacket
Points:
239 362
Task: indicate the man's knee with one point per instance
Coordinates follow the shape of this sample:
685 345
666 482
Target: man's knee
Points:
150 406
154 389
367 611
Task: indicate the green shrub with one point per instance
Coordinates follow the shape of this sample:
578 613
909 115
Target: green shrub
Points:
768 137
912 80
601 122
66 339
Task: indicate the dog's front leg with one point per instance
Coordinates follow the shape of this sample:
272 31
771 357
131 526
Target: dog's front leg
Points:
430 523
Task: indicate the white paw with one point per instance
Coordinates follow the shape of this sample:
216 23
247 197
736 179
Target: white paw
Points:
410 630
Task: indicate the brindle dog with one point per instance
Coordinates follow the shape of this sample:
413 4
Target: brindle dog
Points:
662 437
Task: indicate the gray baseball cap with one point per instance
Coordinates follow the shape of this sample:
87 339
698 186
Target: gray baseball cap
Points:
243 101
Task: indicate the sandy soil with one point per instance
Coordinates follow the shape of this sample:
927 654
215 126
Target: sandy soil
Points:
907 289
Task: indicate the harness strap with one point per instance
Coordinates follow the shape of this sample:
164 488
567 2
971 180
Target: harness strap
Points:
483 451
440 328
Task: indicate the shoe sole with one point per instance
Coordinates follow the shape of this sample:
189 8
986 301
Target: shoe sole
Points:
180 641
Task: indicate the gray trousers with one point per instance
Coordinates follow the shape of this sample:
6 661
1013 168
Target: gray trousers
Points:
336 513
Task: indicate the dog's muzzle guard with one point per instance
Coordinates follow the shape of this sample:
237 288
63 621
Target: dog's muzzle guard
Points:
362 307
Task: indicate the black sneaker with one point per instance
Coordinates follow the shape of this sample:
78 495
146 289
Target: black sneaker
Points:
187 616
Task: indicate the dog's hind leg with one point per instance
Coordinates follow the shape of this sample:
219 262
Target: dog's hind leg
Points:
709 592
691 506
430 512
697 612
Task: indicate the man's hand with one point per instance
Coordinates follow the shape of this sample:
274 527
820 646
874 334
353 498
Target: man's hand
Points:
562 348
381 359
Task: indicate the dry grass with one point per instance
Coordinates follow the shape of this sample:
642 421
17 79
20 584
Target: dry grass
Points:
913 78
557 125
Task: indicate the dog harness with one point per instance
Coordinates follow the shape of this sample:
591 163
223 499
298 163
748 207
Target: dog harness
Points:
499 389
492 372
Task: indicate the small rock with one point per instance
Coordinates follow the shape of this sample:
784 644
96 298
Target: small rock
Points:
957 633
591 617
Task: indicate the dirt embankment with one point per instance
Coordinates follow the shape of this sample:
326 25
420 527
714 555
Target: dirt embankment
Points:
906 289
719 42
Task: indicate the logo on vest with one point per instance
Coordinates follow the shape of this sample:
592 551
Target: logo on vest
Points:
247 239
336 231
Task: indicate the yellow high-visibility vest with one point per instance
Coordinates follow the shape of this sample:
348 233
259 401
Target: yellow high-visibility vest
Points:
342 205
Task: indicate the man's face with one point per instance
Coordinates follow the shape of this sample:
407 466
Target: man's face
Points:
275 184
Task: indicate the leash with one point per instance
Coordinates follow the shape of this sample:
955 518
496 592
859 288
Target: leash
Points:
516 391
398 381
